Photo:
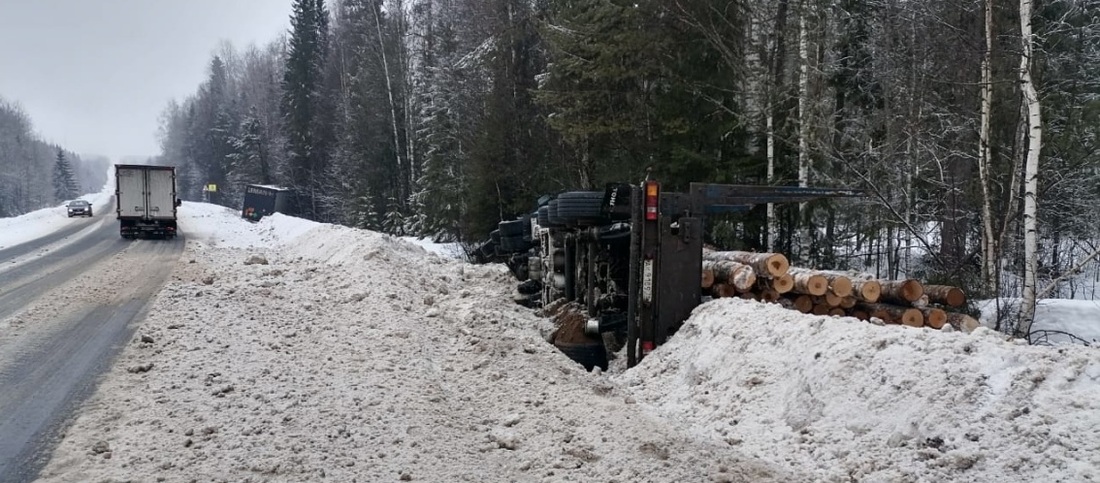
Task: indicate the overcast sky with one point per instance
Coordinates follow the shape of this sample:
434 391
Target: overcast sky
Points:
94 75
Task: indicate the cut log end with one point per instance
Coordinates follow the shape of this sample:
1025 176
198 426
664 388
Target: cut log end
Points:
722 290
868 291
908 291
912 318
945 294
801 303
783 284
934 318
708 279
841 285
848 302
778 265
811 284
769 295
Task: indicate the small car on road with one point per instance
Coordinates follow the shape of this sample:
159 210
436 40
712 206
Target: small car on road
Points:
80 208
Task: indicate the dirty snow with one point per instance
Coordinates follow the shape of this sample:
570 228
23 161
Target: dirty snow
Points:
848 401
293 351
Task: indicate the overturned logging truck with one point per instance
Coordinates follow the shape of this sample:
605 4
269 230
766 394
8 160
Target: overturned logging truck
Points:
629 259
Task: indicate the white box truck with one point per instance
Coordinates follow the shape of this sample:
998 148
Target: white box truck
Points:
146 200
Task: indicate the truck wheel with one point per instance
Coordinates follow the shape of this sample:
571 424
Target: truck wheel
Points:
544 216
511 228
580 206
552 215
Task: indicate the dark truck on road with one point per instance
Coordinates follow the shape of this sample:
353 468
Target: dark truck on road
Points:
146 199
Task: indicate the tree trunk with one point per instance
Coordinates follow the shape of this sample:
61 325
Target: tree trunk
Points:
783 284
830 299
989 240
809 282
1031 173
764 264
934 318
946 295
848 302
778 80
867 290
707 278
738 274
894 314
401 190
902 291
801 303
840 285
803 120
773 222
723 290
768 295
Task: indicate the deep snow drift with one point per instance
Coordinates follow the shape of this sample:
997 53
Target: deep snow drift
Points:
351 355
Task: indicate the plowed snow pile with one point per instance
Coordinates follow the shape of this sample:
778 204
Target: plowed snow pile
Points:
293 351
849 401
352 356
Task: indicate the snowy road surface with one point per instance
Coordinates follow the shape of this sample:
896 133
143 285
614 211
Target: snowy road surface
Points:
67 301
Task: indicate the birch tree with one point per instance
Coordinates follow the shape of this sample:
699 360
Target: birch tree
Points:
990 255
1031 170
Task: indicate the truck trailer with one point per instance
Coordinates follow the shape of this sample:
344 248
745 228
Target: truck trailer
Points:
262 200
146 200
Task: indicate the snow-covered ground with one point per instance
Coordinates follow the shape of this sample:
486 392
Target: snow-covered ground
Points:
26 227
351 355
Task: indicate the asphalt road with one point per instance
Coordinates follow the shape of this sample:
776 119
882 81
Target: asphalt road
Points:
69 302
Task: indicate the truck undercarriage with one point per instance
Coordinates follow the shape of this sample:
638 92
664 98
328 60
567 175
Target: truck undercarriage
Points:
628 259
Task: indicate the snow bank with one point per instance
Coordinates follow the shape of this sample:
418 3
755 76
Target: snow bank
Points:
288 350
345 355
213 225
28 226
851 401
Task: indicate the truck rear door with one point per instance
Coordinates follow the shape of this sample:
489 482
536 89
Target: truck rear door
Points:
162 194
131 192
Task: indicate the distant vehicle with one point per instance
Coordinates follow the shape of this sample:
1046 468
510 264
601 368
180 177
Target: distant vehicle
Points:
79 208
262 200
147 202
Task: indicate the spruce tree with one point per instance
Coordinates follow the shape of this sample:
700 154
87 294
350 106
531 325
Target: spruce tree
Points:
64 183
302 81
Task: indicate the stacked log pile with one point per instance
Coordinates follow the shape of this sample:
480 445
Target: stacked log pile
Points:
768 277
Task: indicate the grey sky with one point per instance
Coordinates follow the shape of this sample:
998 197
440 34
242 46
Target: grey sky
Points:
94 75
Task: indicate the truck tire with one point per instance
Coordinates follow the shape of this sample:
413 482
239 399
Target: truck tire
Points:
511 228
580 207
552 214
544 216
512 244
